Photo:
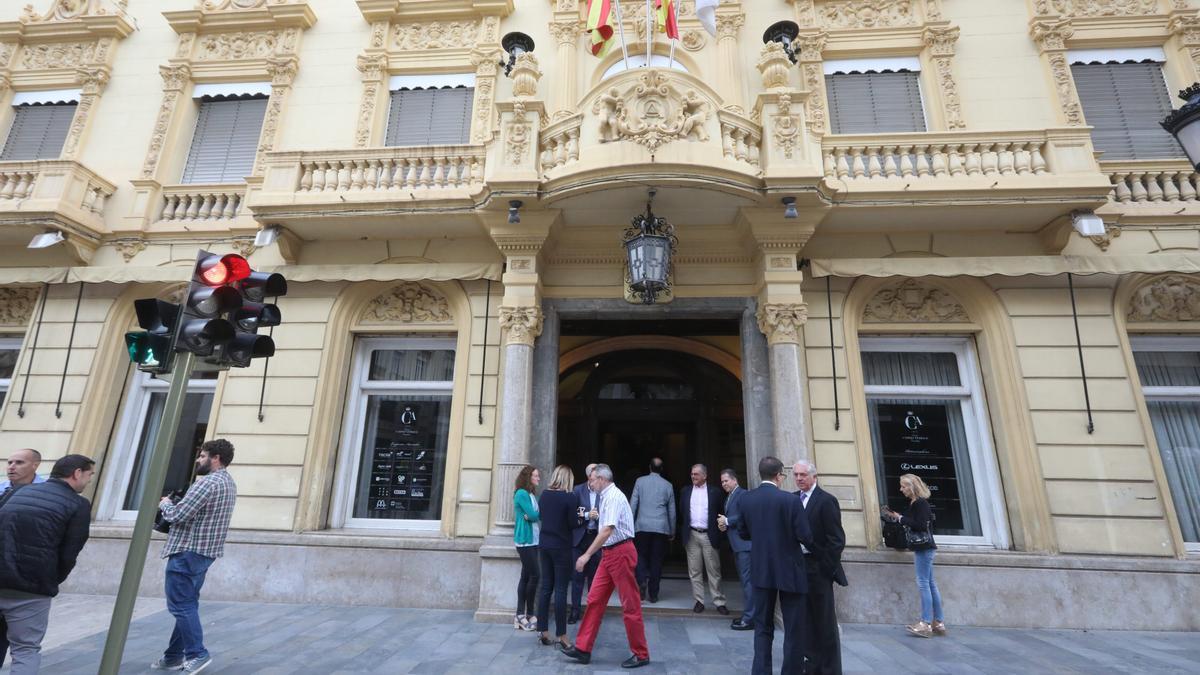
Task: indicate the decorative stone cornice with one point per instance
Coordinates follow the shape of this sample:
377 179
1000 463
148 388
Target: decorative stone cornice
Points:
409 302
910 301
16 304
521 325
1173 297
782 322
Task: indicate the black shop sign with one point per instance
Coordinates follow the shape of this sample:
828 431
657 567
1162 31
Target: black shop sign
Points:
915 438
403 459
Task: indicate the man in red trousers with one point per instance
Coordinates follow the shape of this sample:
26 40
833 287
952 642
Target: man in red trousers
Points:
616 571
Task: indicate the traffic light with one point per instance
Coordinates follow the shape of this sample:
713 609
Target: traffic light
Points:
224 309
152 349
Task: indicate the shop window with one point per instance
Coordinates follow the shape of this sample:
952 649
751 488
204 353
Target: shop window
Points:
1124 96
872 96
1169 369
38 131
10 349
141 416
226 138
928 418
430 110
393 464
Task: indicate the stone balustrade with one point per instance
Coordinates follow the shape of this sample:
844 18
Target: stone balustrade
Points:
57 190
933 155
1146 181
741 139
17 183
559 143
384 169
202 202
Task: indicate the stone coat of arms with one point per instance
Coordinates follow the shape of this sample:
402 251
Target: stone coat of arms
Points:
651 112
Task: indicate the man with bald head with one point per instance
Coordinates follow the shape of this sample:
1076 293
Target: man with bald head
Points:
823 564
22 469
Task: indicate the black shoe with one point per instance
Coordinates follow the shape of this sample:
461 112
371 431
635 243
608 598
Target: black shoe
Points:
698 608
654 598
573 617
642 591
738 624
634 662
723 610
576 654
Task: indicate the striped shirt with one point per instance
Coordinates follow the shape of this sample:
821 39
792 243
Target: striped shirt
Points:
200 521
615 512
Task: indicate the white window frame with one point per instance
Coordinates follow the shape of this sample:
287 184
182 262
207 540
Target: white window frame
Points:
132 423
984 467
14 343
1168 343
350 454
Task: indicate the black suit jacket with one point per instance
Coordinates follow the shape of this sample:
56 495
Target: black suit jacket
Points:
716 505
585 500
829 539
774 520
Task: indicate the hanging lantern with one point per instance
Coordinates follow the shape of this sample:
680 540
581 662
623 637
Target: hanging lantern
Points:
649 244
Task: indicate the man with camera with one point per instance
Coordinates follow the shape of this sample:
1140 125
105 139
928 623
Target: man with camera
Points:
199 525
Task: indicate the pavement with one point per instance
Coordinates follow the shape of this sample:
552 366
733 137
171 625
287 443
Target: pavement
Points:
280 638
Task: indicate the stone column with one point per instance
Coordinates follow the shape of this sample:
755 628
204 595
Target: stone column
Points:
782 323
808 47
940 40
91 82
1186 30
566 91
729 63
1051 37
374 69
283 73
520 326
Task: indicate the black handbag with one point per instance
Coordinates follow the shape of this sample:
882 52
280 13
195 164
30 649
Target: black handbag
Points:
161 525
894 535
917 540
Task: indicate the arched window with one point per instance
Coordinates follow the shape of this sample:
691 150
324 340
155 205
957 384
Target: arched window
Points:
639 60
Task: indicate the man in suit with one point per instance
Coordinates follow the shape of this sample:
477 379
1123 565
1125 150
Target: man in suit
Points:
699 505
823 561
728 523
653 505
581 538
775 522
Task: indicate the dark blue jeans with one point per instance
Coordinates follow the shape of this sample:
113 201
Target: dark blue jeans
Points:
185 577
557 568
742 560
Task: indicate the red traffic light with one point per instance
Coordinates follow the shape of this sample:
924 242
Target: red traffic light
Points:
227 269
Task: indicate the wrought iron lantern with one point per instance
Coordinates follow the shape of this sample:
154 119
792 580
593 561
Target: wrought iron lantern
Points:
514 44
783 32
649 245
1184 124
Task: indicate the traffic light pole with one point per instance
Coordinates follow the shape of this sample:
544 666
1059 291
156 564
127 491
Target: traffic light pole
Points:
135 561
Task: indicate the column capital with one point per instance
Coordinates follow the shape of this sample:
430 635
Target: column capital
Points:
1051 35
282 70
176 76
728 25
566 32
782 322
521 325
940 39
92 79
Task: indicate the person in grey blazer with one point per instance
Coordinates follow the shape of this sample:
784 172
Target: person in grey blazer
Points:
653 506
728 523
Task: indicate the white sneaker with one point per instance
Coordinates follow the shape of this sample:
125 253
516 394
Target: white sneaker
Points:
197 665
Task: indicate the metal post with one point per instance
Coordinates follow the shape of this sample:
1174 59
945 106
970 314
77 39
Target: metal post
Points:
135 561
1087 398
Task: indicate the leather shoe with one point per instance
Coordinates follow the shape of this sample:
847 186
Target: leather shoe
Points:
576 654
723 610
654 598
738 624
634 662
698 608
573 617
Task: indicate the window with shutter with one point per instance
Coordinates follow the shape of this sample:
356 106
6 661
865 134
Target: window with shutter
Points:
430 116
225 140
1123 103
872 103
38 131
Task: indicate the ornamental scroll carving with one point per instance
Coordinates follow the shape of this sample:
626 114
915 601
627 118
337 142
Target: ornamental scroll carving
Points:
782 322
1174 297
409 302
69 10
910 301
868 14
16 305
1051 37
651 113
786 127
436 35
521 325
58 55
218 5
242 45
941 43
1090 8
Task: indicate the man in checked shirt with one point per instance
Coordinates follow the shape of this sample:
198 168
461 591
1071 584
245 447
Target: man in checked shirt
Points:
199 523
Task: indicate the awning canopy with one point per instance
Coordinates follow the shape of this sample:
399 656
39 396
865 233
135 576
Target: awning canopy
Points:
33 275
296 273
1007 266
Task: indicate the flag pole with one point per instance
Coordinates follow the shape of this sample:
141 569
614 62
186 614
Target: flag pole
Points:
621 31
671 62
649 33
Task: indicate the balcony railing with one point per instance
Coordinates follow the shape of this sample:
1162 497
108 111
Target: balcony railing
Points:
388 169
935 156
1138 182
202 202
58 189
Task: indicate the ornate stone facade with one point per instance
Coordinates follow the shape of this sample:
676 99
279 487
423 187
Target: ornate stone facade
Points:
1051 37
782 322
911 301
941 41
868 13
1174 297
435 35
1093 8
16 304
521 325
652 112
409 302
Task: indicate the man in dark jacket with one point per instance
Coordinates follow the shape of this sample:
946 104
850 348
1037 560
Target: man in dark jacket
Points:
823 650
699 505
581 538
42 529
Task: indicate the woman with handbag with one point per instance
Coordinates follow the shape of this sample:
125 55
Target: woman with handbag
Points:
526 530
559 507
918 526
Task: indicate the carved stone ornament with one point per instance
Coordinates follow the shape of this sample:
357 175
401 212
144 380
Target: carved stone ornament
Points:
774 65
244 247
566 32
786 126
1064 86
814 81
436 35
518 134
868 14
910 301
1174 297
651 113
1051 35
218 5
16 304
782 322
1103 241
240 45
1090 8
128 248
941 40
58 55
366 114
693 40
409 302
68 10
521 325
282 71
728 25
525 75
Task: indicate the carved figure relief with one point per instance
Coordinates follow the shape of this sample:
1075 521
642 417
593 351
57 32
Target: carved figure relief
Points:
16 304
1174 297
436 35
409 302
57 55
693 40
874 14
1097 7
517 135
521 325
243 45
651 113
786 127
910 301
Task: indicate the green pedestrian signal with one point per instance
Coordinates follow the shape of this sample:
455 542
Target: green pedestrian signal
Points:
151 349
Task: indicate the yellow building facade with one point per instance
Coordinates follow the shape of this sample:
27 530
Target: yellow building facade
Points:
943 237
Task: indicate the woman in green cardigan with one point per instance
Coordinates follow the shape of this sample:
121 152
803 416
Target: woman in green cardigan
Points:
526 531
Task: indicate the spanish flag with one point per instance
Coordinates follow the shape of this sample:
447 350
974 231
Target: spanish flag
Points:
600 31
666 18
